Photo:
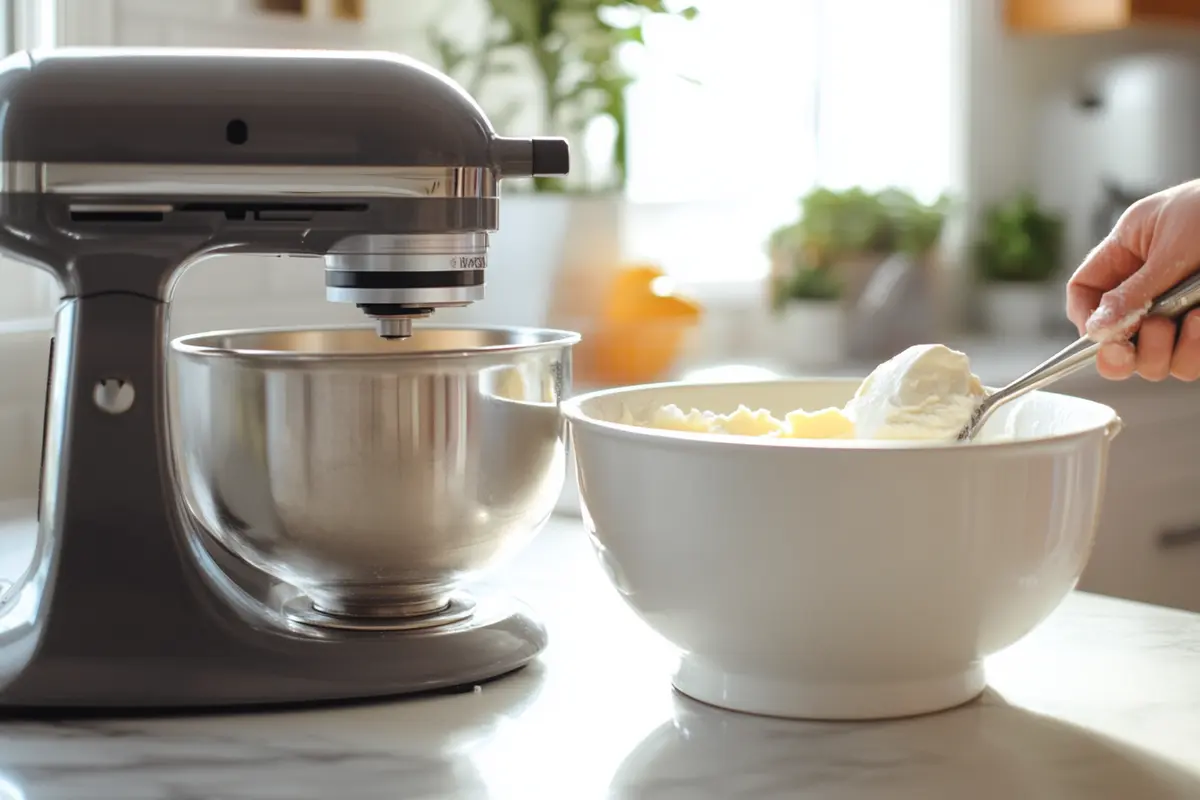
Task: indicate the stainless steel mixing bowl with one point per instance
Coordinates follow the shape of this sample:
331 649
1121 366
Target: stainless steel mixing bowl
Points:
373 475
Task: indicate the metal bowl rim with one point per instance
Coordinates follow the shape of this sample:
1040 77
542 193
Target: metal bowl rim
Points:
192 345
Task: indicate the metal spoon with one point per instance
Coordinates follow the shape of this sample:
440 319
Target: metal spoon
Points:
1172 304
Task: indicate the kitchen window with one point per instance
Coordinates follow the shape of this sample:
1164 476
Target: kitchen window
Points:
790 94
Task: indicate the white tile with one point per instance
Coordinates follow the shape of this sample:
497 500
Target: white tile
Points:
20 287
87 23
171 11
19 453
224 277
195 318
24 361
293 277
141 32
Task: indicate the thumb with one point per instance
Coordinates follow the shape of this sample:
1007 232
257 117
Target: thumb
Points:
1122 309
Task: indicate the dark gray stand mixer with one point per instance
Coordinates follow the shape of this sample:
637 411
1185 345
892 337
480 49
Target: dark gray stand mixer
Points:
119 169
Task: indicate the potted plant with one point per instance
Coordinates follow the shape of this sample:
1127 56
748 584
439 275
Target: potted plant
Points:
810 321
571 49
821 262
896 306
1018 253
915 227
555 233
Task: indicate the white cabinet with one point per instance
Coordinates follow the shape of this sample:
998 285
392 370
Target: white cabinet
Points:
1148 546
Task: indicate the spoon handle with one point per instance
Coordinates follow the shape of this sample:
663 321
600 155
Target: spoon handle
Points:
1172 304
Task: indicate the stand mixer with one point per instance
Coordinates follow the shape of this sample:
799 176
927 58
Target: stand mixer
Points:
121 168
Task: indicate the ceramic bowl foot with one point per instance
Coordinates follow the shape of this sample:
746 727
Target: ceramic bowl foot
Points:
799 699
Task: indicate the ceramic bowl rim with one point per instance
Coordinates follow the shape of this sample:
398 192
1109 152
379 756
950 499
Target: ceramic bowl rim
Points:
572 410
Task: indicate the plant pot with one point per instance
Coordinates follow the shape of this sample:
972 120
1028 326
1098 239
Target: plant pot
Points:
541 237
1015 310
811 334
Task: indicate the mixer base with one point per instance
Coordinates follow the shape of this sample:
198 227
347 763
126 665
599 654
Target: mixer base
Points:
184 670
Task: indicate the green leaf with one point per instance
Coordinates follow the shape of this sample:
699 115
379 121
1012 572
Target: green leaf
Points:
574 47
690 13
449 54
522 17
1019 242
633 34
810 283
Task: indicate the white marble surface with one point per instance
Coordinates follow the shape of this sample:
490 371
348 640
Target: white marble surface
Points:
1103 703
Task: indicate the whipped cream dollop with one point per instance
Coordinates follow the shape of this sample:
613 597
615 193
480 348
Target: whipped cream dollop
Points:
926 392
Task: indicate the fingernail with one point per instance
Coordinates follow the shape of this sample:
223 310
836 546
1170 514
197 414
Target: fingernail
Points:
1191 328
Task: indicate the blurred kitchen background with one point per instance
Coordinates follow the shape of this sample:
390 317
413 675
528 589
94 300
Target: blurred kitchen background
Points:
759 187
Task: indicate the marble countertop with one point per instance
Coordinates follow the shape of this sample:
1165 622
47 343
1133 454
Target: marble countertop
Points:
1102 702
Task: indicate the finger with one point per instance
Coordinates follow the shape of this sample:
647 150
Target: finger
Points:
1109 264
1155 345
1122 308
1116 360
1185 364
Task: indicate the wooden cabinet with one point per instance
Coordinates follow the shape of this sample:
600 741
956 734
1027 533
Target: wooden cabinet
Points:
1093 16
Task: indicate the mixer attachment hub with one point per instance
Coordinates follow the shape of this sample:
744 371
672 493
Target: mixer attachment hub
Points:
394 327
393 322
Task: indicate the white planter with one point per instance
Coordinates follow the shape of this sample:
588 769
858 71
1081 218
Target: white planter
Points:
540 236
811 334
1015 311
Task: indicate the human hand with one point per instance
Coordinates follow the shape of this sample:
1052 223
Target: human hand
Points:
1154 245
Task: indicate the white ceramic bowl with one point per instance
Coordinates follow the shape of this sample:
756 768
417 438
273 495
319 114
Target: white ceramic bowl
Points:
837 580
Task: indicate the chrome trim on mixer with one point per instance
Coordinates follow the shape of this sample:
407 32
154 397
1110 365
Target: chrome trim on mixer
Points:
433 296
431 252
121 208
246 179
451 261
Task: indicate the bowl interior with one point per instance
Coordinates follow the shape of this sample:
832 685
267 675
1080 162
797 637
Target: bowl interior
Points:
1039 415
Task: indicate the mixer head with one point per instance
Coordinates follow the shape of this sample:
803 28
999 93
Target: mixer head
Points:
382 166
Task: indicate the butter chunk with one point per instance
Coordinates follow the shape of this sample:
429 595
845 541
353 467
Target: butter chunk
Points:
827 423
745 422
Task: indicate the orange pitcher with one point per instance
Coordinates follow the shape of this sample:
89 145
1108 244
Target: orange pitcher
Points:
640 331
